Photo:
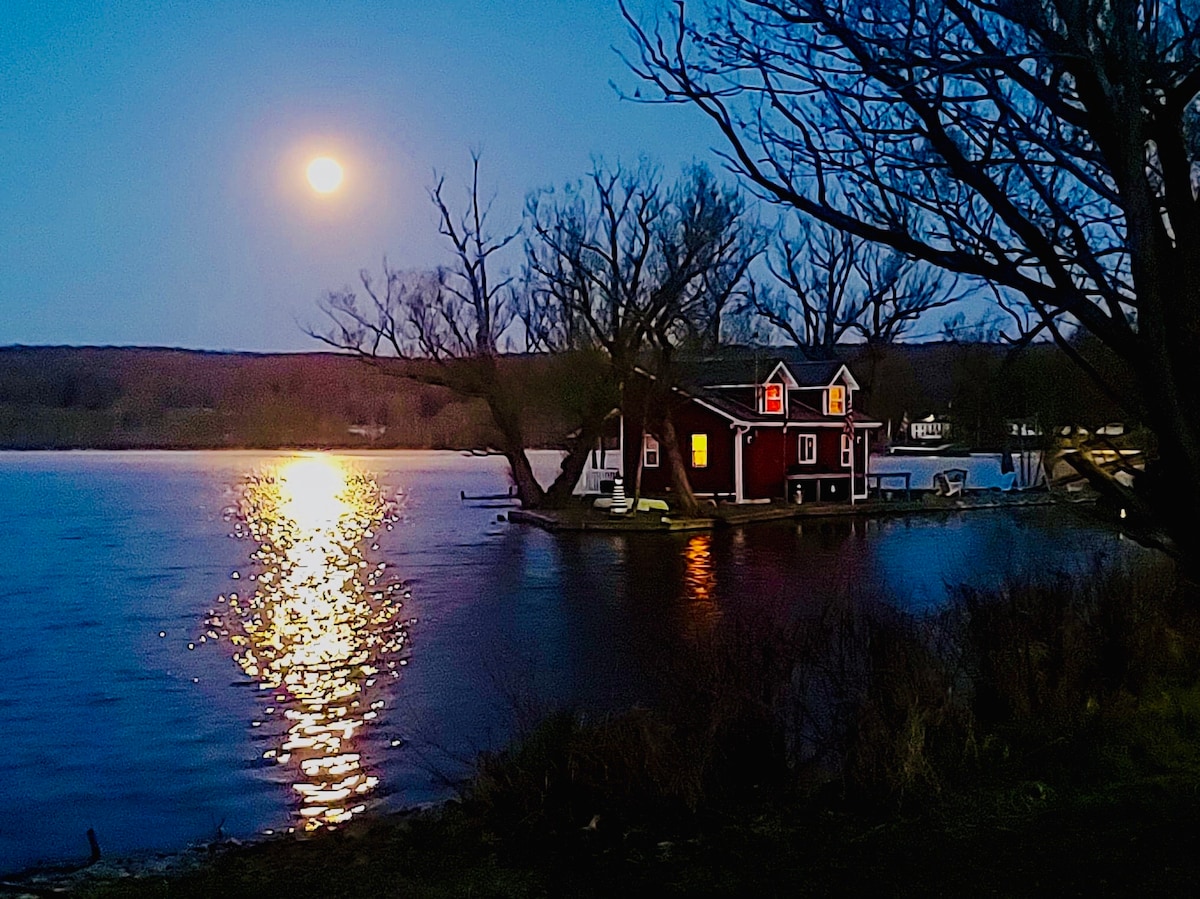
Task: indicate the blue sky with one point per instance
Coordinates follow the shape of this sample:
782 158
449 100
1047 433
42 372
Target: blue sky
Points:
152 153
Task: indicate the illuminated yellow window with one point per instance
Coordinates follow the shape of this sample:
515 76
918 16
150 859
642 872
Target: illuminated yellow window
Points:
699 451
837 400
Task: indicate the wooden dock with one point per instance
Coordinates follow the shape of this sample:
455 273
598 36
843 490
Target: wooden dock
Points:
583 518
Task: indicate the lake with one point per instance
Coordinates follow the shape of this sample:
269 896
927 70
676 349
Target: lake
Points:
244 642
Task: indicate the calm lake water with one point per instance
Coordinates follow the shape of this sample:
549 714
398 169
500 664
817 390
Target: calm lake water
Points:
194 641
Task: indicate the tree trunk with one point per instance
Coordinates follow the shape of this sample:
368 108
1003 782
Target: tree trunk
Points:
643 414
572 467
679 478
641 463
512 445
1172 489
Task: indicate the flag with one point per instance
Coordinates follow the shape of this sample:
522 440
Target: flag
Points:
848 427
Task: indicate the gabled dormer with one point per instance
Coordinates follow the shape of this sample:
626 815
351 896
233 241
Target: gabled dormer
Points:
827 387
771 395
838 399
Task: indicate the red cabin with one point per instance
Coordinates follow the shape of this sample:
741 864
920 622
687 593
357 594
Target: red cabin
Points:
757 427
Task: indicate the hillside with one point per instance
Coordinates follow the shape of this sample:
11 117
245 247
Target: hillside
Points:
107 397
112 397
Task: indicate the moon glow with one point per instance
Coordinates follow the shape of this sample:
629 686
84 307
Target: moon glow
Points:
325 174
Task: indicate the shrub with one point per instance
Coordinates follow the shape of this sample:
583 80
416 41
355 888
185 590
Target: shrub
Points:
858 702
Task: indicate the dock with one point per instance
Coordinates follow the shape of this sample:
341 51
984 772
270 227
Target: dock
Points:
726 515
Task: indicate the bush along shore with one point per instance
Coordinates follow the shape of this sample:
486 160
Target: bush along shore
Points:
1040 739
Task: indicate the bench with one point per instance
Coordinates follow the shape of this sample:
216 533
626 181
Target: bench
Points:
877 481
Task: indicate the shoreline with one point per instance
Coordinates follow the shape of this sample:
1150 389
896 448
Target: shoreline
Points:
583 518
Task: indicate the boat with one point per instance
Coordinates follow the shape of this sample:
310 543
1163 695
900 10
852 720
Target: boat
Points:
928 449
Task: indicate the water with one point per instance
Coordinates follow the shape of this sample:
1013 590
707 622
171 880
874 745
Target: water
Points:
355 686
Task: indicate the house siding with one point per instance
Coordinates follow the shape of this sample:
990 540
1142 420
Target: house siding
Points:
717 477
829 450
769 451
766 459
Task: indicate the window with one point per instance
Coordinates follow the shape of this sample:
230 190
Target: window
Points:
699 451
808 448
847 450
650 451
836 400
773 399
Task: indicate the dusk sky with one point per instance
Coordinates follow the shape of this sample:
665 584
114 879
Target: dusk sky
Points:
153 154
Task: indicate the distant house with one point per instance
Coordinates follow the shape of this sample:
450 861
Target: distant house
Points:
371 432
931 429
756 426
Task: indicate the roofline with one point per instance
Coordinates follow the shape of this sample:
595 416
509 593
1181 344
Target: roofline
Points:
850 382
864 424
789 379
797 423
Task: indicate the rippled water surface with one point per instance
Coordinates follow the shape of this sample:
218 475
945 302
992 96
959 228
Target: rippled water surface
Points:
244 642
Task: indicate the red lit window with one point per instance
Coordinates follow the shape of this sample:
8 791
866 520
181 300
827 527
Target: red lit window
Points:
773 399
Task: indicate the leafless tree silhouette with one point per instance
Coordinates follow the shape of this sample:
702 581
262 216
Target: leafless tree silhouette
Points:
1047 147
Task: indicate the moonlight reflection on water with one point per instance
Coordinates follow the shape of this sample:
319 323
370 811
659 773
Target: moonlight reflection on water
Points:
321 630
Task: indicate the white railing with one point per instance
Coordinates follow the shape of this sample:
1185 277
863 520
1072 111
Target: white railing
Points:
928 430
593 476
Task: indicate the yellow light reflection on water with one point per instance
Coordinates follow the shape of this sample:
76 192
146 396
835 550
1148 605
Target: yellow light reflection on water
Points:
700 583
321 630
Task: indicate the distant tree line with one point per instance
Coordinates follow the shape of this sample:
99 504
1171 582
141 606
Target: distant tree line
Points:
56 397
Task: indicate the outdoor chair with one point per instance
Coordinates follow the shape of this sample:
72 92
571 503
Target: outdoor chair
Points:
951 482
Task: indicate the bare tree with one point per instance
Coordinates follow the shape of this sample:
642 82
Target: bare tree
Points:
624 266
810 303
1047 147
831 284
449 326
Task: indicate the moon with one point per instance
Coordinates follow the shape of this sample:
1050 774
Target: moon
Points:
325 174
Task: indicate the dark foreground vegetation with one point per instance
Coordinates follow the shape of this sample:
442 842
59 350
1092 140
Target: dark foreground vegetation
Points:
1044 739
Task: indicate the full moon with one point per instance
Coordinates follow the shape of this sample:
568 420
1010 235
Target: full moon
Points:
325 174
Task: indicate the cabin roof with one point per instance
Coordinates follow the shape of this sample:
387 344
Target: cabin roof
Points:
818 374
797 412
706 380
748 368
737 366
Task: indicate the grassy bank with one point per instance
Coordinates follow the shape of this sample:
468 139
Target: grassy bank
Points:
1041 739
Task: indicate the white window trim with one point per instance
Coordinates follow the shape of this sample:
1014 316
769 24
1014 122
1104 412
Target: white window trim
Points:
762 407
692 450
650 445
845 399
847 451
811 440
